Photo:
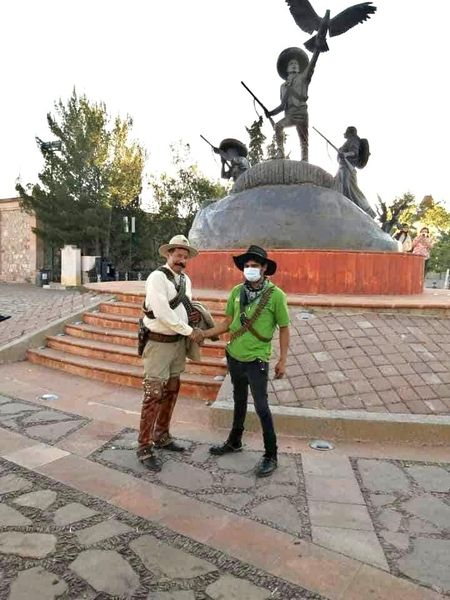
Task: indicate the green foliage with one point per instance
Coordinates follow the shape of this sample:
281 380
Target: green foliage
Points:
402 210
97 172
440 254
433 215
177 198
256 144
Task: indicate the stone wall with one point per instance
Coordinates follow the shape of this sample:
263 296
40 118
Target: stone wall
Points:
20 251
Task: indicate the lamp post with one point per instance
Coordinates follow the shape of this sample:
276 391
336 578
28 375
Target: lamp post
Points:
130 227
50 148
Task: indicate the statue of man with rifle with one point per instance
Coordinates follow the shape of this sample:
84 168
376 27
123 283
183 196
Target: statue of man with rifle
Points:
233 155
353 153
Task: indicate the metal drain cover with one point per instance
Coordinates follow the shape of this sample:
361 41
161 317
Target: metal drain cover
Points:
321 445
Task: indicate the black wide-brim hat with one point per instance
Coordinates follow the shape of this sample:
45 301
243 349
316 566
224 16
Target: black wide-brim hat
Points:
258 254
228 143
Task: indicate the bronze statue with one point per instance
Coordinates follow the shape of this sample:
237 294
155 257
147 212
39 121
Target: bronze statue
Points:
353 153
233 155
297 70
309 21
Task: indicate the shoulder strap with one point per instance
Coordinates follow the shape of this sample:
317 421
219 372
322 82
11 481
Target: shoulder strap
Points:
249 325
179 298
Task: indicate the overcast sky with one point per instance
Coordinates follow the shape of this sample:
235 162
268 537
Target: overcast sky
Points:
175 67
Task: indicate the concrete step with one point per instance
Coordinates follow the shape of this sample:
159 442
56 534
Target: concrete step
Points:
199 387
210 301
129 338
128 309
111 320
125 354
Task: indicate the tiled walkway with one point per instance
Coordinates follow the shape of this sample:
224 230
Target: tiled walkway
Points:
357 522
31 308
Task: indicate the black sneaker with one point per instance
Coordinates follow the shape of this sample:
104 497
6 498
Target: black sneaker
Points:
266 466
225 448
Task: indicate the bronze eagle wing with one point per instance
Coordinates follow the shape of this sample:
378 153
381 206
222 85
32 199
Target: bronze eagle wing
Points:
304 15
351 16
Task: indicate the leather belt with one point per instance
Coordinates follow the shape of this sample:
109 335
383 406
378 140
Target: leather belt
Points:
161 337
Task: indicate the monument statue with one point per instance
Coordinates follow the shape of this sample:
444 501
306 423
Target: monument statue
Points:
354 153
309 21
233 155
297 70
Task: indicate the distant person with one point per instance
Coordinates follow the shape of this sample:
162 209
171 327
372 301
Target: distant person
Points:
404 239
422 245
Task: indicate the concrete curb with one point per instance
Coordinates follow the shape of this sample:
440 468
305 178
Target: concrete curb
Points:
343 425
17 349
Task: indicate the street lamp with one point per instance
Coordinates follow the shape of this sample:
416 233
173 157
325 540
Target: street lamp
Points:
50 148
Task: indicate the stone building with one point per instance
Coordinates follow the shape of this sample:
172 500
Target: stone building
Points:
21 253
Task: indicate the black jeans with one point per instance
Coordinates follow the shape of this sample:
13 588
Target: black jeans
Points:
254 374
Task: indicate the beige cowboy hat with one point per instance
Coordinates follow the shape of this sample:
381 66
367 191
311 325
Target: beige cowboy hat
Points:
178 241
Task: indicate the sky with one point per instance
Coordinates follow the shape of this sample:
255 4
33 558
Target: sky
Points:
175 67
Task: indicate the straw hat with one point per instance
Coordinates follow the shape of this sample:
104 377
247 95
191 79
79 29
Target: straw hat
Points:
178 241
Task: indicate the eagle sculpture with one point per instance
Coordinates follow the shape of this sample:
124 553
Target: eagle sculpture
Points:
307 19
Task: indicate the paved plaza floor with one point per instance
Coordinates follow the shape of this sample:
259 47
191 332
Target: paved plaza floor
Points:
31 308
80 517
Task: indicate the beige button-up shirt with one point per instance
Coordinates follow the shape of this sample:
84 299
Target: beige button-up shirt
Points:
158 293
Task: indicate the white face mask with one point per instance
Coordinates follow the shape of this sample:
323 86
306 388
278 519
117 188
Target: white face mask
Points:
252 274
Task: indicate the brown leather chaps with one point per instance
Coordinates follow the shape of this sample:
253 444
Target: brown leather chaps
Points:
159 401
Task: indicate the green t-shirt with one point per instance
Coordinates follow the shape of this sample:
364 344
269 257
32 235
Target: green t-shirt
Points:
247 347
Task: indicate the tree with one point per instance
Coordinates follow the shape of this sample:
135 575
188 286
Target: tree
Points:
97 170
178 197
256 144
402 210
440 254
258 152
433 214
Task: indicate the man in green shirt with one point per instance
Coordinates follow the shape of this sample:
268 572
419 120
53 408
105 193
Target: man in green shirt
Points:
254 310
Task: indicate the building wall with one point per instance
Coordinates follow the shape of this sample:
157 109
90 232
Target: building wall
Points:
20 251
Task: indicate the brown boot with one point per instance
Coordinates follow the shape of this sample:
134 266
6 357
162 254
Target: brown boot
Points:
162 437
151 405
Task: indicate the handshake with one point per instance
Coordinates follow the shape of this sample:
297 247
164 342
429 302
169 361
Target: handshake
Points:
197 336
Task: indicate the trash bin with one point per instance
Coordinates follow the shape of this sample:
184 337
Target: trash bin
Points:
105 269
44 277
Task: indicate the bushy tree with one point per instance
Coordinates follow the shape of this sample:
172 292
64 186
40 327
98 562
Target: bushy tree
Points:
177 198
95 170
402 210
440 254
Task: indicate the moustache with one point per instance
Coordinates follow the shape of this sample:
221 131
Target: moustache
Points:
180 264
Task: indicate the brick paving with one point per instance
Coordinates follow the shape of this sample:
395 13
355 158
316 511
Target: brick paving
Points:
375 362
32 308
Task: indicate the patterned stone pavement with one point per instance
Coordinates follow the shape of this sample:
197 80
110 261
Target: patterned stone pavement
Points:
376 362
32 308
41 423
410 506
58 543
391 515
401 524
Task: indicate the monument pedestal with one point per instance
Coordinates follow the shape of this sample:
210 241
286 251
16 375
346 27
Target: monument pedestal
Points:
318 271
321 241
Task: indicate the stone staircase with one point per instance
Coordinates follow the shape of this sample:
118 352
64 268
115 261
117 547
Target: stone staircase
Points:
104 346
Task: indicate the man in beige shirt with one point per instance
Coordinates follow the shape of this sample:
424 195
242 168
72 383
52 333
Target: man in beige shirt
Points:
170 319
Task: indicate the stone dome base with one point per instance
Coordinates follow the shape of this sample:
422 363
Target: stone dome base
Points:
302 215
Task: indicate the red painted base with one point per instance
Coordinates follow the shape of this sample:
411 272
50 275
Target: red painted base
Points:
318 271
